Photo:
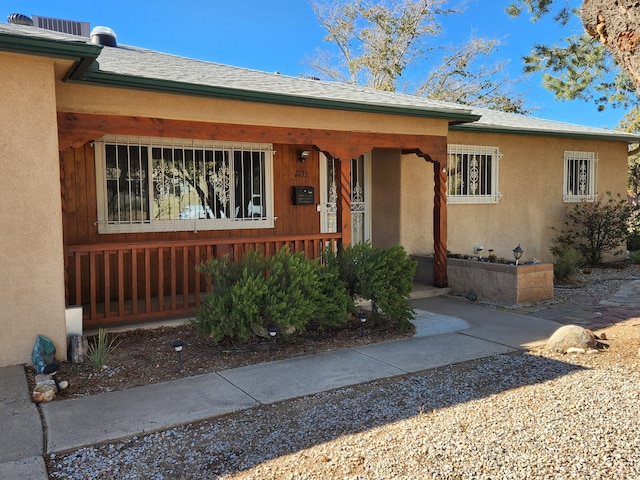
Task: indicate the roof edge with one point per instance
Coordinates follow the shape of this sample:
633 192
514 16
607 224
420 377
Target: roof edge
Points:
100 78
48 47
614 136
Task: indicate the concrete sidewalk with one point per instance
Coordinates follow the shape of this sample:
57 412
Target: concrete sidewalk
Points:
448 331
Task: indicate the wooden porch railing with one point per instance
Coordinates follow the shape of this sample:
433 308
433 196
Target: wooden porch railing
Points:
119 283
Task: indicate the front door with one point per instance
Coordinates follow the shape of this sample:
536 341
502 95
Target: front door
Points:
360 197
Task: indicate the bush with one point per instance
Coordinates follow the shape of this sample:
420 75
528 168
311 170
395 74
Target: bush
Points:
598 227
568 261
633 242
384 276
634 257
287 291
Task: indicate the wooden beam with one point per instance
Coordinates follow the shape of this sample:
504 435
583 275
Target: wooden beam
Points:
76 129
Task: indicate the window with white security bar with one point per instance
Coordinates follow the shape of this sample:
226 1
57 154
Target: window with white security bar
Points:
472 174
148 184
580 176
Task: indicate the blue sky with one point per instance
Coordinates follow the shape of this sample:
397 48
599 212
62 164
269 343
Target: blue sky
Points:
278 35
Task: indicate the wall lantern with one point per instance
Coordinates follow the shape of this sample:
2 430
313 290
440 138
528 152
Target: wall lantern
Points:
517 253
303 155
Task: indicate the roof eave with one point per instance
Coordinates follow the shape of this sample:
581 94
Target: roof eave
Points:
48 47
108 79
613 136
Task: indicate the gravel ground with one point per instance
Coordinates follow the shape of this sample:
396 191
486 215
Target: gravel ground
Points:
528 415
599 284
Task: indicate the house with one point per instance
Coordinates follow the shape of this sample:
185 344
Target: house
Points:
123 168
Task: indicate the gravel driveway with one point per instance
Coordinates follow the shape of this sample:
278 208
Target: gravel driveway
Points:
533 415
518 416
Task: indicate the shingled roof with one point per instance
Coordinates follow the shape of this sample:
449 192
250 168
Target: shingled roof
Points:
137 68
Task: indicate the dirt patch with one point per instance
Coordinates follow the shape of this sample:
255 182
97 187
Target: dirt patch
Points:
145 356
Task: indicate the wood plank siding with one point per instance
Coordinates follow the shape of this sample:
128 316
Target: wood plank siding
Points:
131 277
135 276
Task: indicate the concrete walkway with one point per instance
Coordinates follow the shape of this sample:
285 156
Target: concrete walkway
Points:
448 331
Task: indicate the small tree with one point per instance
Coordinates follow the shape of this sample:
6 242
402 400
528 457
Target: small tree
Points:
598 227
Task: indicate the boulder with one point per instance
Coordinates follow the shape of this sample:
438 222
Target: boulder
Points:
571 336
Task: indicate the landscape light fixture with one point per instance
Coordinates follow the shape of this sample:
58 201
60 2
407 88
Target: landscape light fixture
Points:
303 155
273 331
517 253
177 346
363 319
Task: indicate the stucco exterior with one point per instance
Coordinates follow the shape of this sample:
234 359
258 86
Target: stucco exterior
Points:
56 77
113 101
32 275
530 181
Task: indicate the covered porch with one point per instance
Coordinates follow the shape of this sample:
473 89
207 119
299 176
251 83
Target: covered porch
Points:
136 278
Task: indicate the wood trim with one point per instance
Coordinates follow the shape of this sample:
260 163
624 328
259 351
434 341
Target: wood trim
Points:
344 199
440 226
174 287
76 129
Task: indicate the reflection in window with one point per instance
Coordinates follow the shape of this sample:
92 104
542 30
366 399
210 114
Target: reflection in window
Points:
168 184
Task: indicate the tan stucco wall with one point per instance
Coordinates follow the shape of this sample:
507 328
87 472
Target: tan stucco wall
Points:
386 200
32 275
416 226
531 176
112 101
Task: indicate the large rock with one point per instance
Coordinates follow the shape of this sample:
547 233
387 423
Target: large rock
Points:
44 392
571 336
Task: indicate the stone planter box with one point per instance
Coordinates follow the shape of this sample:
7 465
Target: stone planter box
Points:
494 282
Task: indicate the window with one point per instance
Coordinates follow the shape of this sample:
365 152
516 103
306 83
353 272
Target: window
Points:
579 176
472 174
160 184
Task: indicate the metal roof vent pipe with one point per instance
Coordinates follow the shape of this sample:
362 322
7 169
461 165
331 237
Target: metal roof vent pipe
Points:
20 19
103 36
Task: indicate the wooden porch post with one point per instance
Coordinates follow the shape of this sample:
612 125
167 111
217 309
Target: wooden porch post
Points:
438 157
440 225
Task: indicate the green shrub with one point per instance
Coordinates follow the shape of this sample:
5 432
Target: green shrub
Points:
568 261
100 348
633 242
333 302
634 257
286 290
597 227
384 276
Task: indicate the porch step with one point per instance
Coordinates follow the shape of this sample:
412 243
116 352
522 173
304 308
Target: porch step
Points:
420 290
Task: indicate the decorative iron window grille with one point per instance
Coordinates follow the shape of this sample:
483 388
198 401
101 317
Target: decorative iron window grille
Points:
472 174
148 184
580 178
